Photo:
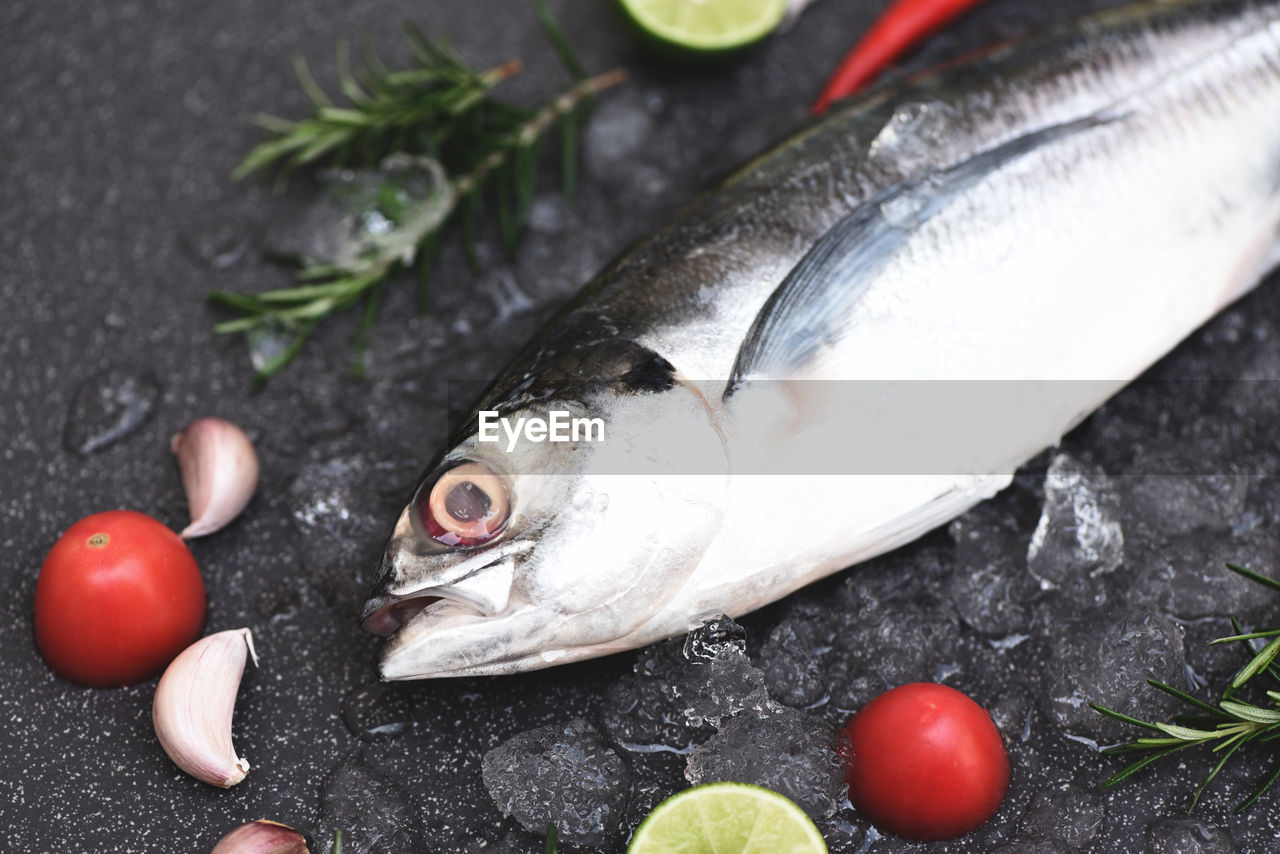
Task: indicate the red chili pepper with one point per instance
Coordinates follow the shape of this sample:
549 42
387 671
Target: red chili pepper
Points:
900 26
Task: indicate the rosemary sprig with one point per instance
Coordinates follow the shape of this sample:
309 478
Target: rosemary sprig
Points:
416 110
1225 727
441 112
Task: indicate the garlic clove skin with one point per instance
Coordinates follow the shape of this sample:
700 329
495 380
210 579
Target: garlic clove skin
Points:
262 837
194 703
219 473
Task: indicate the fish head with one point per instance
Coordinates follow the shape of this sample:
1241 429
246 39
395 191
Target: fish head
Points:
512 556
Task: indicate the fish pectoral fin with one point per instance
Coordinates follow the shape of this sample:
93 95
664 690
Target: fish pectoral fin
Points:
814 306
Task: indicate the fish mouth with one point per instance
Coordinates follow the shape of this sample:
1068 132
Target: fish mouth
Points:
485 591
466 627
448 640
387 619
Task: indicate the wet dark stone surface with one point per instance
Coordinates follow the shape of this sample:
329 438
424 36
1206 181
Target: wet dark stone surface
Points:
119 125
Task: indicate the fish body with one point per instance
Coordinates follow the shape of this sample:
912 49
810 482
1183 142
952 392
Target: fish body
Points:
853 340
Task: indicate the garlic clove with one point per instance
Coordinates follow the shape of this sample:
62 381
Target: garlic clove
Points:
219 472
262 837
194 703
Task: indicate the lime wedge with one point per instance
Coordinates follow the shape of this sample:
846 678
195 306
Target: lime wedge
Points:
705 26
727 818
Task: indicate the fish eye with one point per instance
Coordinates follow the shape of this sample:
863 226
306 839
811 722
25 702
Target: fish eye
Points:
466 505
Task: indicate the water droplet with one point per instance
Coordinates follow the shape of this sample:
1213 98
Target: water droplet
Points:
942 672
903 210
550 214
377 712
376 223
908 141
278 602
619 130
266 344
107 407
509 298
217 246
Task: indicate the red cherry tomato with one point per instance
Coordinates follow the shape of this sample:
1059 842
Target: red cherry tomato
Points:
925 762
119 595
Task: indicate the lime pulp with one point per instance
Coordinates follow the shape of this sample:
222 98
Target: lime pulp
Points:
706 26
727 818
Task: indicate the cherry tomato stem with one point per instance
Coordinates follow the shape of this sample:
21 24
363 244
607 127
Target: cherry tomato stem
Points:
899 27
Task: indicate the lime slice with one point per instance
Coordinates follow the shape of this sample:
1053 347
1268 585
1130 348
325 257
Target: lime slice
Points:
705 26
727 818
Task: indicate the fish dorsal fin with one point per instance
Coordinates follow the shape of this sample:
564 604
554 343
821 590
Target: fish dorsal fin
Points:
813 305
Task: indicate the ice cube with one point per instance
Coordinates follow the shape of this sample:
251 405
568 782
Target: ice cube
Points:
1079 536
990 587
1067 817
885 624
368 214
892 635
655 776
1106 657
562 773
842 835
793 657
1187 836
1174 503
512 843
680 687
1011 713
1185 574
715 636
789 752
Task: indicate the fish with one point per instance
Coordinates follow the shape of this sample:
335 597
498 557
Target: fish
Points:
853 339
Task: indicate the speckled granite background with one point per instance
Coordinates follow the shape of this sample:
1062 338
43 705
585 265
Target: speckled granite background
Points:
119 124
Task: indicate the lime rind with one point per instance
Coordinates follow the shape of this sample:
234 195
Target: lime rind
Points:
706 26
727 818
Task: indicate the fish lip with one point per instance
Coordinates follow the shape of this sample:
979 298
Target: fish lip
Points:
440 619
385 616
397 661
389 614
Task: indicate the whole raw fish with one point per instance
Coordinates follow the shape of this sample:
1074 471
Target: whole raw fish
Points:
852 341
